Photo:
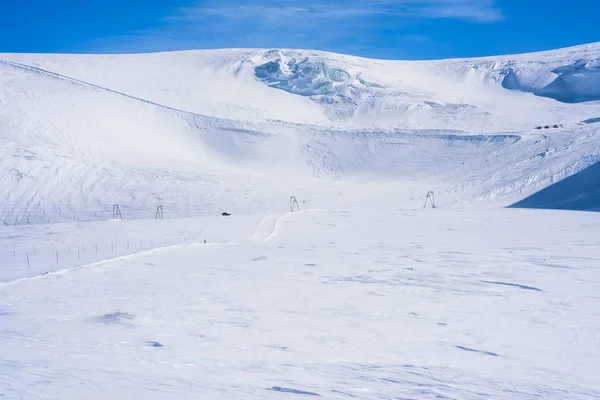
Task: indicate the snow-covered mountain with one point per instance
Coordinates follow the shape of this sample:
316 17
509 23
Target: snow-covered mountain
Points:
360 292
198 131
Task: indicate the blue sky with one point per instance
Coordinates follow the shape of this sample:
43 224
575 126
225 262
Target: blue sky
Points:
397 29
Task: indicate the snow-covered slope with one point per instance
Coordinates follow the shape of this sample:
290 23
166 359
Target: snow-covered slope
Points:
363 294
330 89
200 131
452 304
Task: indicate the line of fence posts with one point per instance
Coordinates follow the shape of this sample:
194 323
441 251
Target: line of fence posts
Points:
128 245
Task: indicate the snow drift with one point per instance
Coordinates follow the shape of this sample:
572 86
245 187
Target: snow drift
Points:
576 82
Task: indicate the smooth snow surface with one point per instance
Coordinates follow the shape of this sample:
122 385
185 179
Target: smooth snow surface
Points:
454 304
363 293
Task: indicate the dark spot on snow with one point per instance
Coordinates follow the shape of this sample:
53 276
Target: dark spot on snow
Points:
116 318
311 265
239 324
442 324
488 353
513 285
261 258
293 391
154 344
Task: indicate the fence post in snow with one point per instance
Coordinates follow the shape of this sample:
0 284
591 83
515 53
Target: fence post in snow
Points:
28 265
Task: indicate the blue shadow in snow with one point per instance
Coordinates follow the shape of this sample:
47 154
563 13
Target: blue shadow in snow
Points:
579 192
591 121
293 391
487 353
513 285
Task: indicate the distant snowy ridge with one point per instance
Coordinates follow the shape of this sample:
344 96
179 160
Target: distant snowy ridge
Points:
337 90
204 131
570 77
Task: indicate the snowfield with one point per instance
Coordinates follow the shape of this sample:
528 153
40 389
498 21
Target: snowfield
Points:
453 304
361 292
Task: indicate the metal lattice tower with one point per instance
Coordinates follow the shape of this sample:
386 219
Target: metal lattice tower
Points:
431 198
294 204
117 212
550 144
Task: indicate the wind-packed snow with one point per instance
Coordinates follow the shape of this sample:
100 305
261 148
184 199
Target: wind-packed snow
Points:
576 82
456 304
363 293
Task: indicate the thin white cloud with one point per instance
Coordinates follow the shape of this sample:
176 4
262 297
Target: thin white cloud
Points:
365 27
469 10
